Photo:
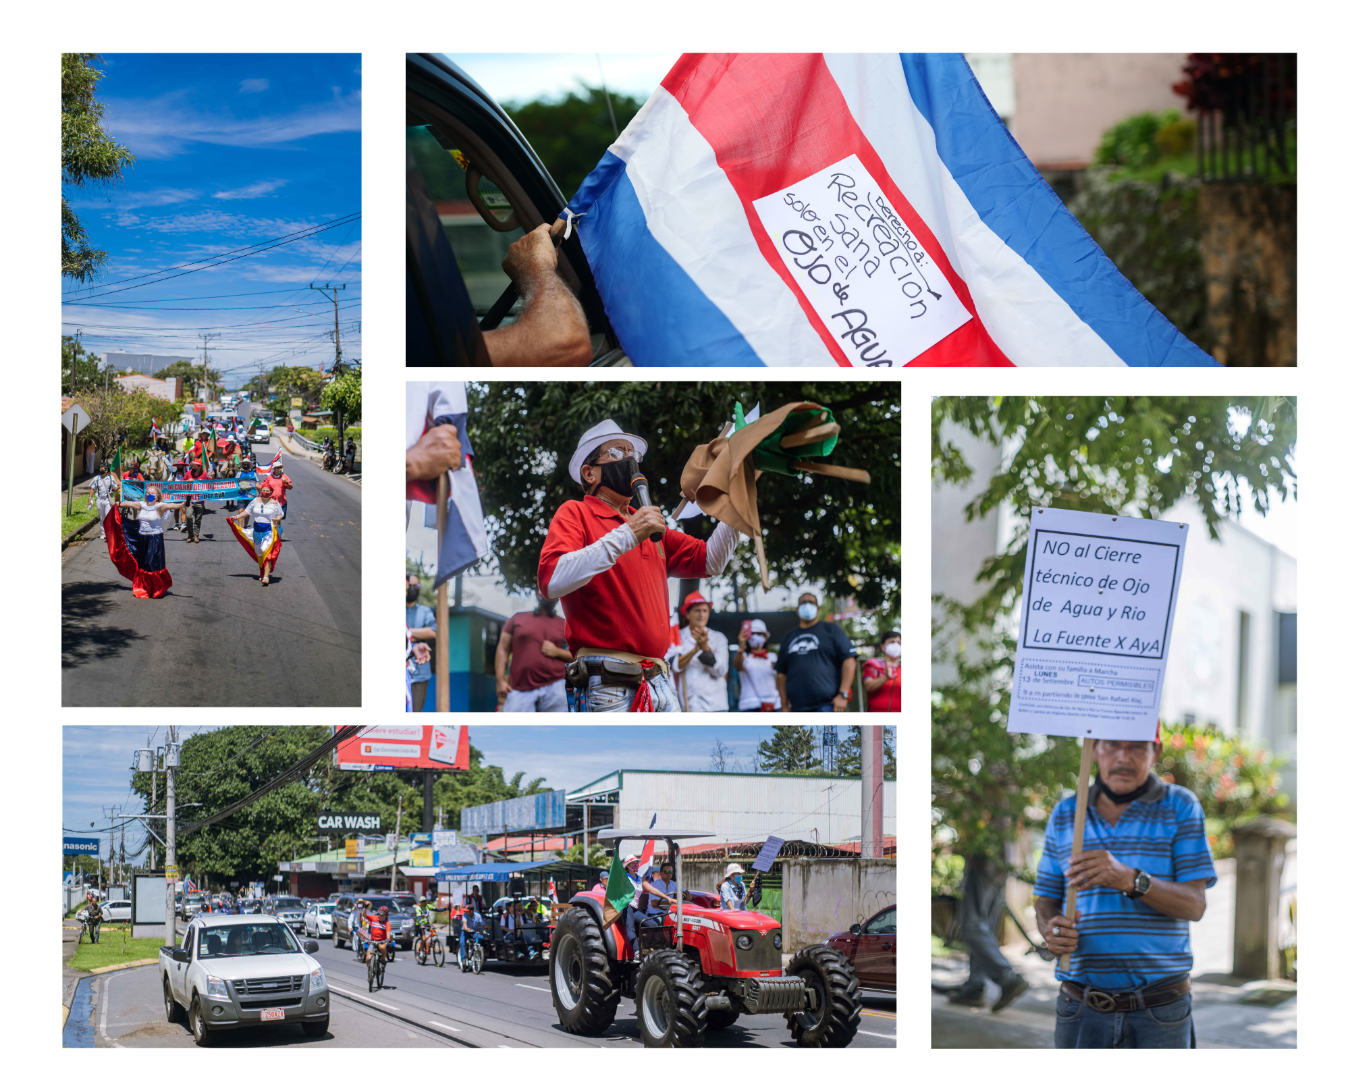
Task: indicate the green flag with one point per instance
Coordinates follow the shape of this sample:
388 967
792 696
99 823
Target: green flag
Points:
618 891
117 463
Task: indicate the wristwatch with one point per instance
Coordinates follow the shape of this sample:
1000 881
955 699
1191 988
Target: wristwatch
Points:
847 695
1142 884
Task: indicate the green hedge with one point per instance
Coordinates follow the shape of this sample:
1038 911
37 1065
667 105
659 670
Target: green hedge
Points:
317 435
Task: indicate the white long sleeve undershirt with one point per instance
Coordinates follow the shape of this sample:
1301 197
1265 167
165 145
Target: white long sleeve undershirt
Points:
576 568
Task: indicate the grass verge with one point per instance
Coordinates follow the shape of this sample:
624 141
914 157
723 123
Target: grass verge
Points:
78 518
109 949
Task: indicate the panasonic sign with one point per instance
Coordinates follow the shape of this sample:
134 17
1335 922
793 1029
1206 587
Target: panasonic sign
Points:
349 822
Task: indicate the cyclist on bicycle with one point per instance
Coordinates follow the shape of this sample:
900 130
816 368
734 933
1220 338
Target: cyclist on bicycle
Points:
380 933
422 915
360 928
471 922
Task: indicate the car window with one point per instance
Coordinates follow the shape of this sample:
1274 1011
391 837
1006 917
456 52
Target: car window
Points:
881 924
287 903
247 939
188 941
479 249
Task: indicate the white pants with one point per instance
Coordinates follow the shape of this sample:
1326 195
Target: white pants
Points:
550 698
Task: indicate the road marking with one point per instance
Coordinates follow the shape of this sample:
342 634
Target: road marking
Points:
438 1024
539 988
353 994
876 1034
103 1009
873 1012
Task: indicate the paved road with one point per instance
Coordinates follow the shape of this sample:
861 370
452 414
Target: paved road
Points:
208 641
505 1006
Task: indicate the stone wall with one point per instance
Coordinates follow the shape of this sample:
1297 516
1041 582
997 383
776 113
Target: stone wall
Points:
1249 244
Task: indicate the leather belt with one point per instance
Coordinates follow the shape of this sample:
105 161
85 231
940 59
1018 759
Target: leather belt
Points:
662 667
1103 1001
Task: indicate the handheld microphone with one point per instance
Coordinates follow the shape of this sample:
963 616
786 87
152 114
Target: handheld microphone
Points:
644 498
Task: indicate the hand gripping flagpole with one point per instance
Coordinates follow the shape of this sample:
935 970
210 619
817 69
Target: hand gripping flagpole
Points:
442 600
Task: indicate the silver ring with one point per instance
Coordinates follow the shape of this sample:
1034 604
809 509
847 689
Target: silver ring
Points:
1056 931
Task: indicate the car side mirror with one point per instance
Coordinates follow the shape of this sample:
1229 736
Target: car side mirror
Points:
311 946
856 928
180 956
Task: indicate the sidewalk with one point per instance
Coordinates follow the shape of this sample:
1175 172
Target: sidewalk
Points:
296 450
1228 1014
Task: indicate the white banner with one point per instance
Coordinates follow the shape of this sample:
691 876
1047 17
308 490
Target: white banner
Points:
1099 595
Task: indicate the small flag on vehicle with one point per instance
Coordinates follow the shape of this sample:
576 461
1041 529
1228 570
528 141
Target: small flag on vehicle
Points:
552 891
619 891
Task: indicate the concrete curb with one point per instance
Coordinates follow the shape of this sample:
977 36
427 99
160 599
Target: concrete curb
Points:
129 964
88 526
309 455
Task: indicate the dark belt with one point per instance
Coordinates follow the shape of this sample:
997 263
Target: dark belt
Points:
1103 1002
612 672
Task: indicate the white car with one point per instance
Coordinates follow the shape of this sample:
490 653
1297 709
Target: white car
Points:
261 434
113 911
319 919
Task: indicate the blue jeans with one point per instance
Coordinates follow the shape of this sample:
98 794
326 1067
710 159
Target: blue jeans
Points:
620 698
1163 1027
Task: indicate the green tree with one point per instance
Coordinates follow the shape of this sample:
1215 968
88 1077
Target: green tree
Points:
792 748
842 533
571 136
598 855
284 383
343 395
848 754
1131 456
191 374
88 158
87 370
117 416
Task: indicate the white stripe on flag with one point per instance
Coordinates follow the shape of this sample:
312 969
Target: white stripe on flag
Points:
671 167
1026 318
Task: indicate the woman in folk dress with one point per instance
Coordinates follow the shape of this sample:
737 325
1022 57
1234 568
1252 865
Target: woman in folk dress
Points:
139 555
262 540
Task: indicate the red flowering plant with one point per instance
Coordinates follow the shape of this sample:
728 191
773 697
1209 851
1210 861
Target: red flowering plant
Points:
1233 781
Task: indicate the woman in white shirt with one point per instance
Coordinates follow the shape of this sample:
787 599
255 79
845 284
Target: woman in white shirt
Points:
140 555
759 689
262 540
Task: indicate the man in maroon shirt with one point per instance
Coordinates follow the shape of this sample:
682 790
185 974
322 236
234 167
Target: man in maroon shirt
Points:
601 561
535 644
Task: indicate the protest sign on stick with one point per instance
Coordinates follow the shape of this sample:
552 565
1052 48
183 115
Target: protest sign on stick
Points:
1099 594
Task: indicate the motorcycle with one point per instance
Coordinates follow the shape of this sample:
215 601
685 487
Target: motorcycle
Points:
329 458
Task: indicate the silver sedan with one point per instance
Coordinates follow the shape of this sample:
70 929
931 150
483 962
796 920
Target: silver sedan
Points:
319 919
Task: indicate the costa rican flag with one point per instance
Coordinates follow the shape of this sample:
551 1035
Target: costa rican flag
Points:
851 210
465 540
276 460
154 429
552 891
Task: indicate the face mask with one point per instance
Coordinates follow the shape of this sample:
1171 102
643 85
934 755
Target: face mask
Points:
807 611
737 879
757 641
892 649
618 475
414 591
151 498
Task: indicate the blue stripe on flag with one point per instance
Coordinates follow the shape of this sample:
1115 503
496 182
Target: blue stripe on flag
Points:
662 318
457 552
1016 203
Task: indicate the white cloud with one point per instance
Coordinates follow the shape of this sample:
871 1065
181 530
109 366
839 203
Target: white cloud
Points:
253 86
255 190
133 200
216 221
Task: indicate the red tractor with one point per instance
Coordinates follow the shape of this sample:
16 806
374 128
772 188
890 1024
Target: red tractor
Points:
695 968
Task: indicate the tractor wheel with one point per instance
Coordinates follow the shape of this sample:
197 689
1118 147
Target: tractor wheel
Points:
584 993
839 1009
670 1006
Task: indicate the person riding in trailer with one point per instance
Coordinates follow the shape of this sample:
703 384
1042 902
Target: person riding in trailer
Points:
609 565
732 888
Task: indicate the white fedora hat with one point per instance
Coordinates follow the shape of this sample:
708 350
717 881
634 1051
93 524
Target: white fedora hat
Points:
591 441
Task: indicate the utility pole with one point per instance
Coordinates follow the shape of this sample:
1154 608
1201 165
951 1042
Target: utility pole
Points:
398 824
154 798
428 797
170 839
337 353
206 355
873 772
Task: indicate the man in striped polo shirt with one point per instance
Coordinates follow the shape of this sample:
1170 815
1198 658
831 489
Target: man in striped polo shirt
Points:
1141 877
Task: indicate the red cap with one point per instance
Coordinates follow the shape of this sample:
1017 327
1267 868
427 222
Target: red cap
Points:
692 599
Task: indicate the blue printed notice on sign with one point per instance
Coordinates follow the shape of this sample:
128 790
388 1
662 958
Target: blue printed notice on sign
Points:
79 845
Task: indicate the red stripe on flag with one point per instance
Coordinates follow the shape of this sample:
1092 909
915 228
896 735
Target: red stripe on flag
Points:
773 119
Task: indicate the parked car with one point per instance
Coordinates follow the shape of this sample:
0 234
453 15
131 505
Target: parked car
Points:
457 134
870 948
289 909
113 911
318 920
235 971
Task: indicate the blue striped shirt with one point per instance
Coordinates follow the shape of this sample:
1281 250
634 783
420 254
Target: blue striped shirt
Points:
1124 944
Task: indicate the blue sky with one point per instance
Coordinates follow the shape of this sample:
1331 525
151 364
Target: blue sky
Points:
522 77
96 759
231 151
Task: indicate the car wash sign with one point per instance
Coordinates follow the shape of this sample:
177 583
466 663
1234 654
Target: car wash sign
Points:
349 822
1099 594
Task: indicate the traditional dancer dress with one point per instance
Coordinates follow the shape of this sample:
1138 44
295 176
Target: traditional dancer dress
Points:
261 540
139 555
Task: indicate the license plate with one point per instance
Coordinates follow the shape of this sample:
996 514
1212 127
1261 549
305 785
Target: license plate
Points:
274 1014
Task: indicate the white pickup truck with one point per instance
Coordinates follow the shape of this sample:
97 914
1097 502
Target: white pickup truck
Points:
234 971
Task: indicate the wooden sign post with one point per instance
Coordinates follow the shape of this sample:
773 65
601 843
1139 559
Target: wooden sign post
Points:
1079 824
442 599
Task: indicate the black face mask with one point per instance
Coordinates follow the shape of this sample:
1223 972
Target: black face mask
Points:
414 591
1128 797
617 475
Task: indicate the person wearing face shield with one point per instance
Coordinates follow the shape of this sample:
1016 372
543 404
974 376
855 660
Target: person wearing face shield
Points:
816 663
609 565
421 624
533 644
881 675
754 661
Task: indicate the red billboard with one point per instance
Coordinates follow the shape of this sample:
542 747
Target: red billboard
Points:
406 746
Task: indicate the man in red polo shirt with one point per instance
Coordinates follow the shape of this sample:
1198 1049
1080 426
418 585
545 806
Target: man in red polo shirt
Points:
600 561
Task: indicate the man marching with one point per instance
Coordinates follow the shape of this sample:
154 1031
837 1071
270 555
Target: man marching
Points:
601 561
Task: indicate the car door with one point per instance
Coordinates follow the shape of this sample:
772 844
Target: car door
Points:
178 969
875 957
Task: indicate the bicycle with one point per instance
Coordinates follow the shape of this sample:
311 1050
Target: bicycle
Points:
432 949
375 962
